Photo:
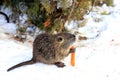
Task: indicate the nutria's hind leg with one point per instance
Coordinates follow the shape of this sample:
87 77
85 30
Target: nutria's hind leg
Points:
59 64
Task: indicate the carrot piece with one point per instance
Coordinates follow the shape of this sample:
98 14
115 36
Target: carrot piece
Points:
72 61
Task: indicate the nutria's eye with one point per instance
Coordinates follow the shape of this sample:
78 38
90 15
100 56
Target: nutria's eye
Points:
60 39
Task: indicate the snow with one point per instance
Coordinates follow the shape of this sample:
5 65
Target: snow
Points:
98 59
8 27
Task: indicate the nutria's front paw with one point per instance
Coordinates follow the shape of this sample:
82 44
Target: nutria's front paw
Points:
72 50
59 64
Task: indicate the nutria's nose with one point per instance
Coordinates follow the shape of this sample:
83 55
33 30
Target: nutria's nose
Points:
73 35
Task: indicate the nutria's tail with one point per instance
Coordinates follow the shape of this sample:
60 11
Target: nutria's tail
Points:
22 64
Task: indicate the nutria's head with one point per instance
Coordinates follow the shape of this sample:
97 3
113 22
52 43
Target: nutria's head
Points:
64 39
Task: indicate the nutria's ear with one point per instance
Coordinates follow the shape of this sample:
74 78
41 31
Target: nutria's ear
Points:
60 39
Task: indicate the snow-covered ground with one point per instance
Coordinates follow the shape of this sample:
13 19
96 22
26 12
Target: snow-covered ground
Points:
98 59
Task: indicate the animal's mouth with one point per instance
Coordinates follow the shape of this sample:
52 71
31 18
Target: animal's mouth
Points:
73 38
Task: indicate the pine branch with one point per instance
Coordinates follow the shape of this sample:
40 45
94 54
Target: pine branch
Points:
72 8
93 4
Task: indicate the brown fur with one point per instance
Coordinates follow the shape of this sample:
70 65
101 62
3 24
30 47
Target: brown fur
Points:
50 49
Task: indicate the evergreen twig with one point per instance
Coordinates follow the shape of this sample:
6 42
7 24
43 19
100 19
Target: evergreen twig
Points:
93 4
72 8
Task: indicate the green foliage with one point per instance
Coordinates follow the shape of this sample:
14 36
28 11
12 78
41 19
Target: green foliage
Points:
101 2
108 2
105 13
64 4
36 14
48 7
40 12
22 30
58 26
50 15
80 9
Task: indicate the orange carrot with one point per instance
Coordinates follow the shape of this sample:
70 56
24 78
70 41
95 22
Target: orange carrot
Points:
72 62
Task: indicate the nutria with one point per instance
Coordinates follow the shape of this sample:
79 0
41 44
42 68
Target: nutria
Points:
50 49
